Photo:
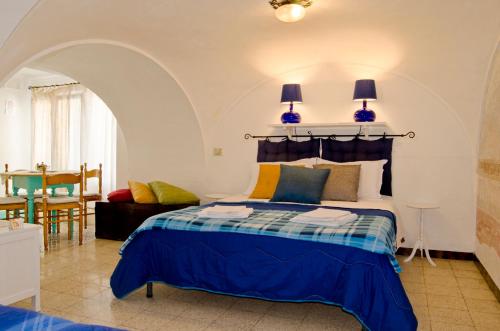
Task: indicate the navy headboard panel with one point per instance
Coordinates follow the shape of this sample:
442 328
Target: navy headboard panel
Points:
361 150
287 150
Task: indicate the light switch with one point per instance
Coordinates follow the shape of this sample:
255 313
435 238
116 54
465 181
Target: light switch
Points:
217 151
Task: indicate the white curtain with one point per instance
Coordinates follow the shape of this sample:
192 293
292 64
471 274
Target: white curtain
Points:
71 125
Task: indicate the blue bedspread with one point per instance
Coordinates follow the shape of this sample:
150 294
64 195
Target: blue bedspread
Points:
374 230
15 319
270 258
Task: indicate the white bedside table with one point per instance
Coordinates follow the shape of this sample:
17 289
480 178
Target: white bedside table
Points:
420 244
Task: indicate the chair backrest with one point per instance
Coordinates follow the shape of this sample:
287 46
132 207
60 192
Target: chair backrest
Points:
6 180
61 179
93 173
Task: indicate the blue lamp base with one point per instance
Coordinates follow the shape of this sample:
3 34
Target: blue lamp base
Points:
364 115
290 117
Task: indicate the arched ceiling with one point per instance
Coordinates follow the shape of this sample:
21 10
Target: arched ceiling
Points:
11 13
220 50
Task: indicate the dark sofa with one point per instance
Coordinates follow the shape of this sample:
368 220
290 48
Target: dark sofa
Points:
117 220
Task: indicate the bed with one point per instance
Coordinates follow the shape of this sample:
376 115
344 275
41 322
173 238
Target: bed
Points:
13 319
267 257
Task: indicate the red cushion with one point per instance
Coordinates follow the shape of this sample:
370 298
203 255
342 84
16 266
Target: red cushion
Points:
123 195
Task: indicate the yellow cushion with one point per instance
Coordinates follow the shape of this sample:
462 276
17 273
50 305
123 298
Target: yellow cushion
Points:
269 175
141 192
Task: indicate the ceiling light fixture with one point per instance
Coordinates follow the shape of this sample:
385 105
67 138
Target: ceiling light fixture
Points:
290 10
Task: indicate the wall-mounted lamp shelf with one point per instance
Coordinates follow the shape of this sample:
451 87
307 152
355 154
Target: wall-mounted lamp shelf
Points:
329 125
364 128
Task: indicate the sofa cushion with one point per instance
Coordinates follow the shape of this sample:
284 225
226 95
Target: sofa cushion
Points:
141 192
122 195
167 194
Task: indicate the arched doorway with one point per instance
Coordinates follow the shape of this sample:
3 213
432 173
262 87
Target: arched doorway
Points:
160 128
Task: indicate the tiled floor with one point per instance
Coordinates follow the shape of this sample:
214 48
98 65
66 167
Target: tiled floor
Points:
75 285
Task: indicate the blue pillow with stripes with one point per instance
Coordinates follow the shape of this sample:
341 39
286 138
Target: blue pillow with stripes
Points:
300 185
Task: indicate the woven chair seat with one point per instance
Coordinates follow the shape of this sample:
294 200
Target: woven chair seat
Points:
11 200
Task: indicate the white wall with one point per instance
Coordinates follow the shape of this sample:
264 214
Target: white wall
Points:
435 166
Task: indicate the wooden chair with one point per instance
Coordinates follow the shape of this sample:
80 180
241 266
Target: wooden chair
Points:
47 204
9 203
91 196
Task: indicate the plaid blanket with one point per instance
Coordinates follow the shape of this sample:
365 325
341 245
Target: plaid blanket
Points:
370 232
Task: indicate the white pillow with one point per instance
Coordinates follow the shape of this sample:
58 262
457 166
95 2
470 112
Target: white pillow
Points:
254 175
370 178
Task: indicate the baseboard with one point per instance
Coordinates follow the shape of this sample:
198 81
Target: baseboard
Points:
441 254
491 284
459 256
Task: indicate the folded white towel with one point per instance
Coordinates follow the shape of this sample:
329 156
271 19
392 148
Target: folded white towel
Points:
225 209
233 215
321 222
325 213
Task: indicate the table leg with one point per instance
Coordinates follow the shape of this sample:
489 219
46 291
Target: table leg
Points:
35 302
419 243
424 246
31 206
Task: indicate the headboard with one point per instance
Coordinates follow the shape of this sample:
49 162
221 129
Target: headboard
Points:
362 150
287 150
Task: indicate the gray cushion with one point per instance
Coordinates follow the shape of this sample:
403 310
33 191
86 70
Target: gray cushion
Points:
342 183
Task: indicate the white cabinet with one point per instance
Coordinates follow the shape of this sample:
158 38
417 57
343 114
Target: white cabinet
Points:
20 264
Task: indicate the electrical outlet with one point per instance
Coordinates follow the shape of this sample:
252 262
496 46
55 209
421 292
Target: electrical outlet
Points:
217 151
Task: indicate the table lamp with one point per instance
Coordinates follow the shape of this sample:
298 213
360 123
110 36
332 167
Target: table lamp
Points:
364 90
291 93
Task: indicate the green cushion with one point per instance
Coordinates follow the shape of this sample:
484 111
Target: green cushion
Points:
167 194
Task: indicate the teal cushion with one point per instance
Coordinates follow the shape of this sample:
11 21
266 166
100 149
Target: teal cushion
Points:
301 185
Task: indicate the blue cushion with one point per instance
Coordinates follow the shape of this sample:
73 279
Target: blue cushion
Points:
301 185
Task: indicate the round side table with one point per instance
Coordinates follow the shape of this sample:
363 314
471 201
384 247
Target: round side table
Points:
420 244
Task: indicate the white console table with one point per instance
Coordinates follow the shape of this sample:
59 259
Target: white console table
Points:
20 264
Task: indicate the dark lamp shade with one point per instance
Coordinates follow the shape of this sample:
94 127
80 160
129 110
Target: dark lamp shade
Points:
364 89
291 93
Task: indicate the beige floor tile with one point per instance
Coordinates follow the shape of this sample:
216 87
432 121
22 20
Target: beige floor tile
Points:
202 312
422 313
443 281
485 320
244 320
438 272
412 277
485 306
475 274
274 323
424 325
418 299
443 290
253 305
414 288
292 311
470 293
445 315
440 326
463 265
472 283
444 301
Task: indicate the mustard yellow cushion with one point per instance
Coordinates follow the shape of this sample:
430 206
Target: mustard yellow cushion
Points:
269 175
141 192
